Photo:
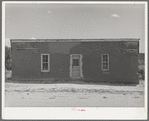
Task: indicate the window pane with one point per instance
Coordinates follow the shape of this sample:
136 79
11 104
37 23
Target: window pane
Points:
75 62
45 58
45 66
105 62
105 57
105 65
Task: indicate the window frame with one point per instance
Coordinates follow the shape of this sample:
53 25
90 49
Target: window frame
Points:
42 63
102 62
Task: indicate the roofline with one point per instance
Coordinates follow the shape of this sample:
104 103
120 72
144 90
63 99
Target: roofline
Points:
74 40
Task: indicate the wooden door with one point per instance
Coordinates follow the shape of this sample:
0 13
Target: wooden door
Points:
75 65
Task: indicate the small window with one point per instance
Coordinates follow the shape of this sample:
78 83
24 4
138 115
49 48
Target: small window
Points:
105 62
45 63
75 62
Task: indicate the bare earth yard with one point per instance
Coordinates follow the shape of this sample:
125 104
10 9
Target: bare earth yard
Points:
73 95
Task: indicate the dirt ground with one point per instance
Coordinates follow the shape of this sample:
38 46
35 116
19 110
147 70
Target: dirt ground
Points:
73 95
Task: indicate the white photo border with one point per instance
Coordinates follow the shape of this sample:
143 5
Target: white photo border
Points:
67 113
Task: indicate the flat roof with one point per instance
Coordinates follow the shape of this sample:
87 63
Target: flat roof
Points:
74 40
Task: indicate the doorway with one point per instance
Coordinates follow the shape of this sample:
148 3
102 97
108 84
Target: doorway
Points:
76 65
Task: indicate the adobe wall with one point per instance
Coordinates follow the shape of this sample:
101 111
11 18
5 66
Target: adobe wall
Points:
26 63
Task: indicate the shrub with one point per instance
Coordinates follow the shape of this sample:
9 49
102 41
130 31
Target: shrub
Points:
141 73
7 58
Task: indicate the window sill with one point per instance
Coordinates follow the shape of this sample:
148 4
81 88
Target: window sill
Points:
106 72
45 71
105 69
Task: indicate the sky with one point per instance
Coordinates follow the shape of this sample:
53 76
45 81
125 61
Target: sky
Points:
75 21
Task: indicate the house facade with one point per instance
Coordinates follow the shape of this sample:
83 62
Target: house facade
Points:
100 60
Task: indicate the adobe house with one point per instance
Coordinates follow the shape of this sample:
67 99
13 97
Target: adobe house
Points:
101 60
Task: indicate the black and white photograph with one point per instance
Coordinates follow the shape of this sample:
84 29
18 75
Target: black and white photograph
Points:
74 60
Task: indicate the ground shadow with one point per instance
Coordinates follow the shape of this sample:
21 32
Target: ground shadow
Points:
82 82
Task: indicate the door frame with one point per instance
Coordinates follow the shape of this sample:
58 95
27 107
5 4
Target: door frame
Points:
80 65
